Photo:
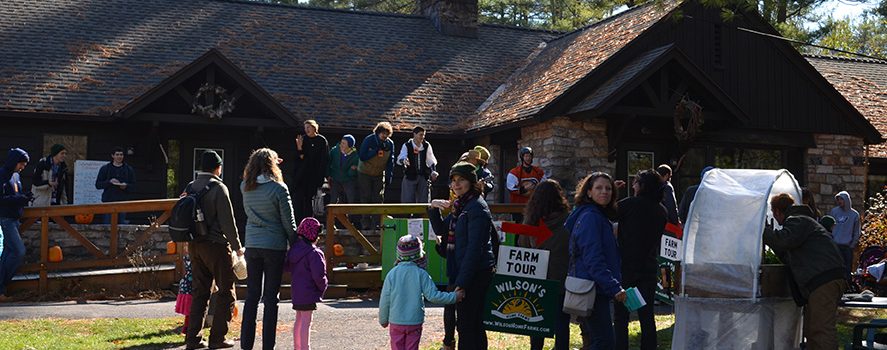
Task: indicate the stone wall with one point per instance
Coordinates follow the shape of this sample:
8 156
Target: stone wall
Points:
100 235
567 149
837 163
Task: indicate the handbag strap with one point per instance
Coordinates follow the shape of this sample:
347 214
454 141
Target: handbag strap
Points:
571 269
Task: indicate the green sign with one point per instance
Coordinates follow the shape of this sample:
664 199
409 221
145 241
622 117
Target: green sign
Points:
522 305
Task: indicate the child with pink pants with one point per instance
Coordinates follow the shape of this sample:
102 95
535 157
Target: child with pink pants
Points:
402 306
307 265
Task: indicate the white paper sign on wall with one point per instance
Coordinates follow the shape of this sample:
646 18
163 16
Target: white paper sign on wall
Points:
671 248
85 172
523 262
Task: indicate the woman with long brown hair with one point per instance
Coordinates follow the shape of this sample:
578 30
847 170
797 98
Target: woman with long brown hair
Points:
548 206
270 230
594 254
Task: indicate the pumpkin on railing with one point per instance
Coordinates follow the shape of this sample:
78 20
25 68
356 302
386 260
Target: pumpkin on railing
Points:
83 219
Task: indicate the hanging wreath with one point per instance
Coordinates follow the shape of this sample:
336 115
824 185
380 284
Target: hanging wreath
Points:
213 111
696 119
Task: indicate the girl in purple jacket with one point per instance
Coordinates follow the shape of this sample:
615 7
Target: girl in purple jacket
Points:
307 265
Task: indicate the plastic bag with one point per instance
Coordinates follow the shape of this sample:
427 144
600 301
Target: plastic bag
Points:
239 263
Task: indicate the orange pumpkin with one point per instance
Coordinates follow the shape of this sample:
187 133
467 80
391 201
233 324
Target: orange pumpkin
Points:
170 248
55 254
83 219
338 250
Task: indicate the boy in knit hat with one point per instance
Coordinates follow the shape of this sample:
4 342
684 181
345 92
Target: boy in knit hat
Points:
342 172
401 305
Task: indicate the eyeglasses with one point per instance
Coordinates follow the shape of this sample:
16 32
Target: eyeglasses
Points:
118 154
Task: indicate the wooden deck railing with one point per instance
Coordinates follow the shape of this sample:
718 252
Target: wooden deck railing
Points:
114 256
340 212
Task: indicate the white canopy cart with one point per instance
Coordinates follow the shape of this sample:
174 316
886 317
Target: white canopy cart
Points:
719 306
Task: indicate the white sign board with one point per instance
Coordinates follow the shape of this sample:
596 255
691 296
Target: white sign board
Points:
523 262
416 228
671 248
85 172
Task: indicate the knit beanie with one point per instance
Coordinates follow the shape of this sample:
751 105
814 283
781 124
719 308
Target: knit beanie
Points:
465 170
350 139
56 149
309 228
409 249
210 161
828 222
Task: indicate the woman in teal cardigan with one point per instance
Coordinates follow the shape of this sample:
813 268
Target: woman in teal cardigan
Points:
270 230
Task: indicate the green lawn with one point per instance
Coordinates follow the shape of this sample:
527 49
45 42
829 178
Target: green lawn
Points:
107 333
162 333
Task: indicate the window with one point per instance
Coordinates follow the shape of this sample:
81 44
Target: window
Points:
744 158
173 155
638 161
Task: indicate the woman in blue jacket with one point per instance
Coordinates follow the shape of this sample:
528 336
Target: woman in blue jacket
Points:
470 264
594 254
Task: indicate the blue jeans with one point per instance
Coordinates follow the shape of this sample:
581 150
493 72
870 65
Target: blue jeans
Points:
600 324
261 263
13 252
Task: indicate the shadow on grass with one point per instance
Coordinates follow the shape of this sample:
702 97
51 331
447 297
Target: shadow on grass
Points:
148 336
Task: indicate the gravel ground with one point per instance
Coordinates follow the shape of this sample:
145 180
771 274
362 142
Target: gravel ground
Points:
337 324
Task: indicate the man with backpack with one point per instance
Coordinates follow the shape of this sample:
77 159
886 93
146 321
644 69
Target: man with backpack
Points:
211 251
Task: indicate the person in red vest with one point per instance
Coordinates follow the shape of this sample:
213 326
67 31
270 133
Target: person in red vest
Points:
522 179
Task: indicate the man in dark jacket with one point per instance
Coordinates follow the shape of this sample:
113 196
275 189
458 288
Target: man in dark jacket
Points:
313 152
12 200
211 256
116 179
816 268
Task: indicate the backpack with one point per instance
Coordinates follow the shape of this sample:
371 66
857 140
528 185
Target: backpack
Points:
186 220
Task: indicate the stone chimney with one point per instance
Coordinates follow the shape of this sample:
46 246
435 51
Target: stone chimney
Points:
451 17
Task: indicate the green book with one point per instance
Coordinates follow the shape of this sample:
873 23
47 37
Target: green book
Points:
634 300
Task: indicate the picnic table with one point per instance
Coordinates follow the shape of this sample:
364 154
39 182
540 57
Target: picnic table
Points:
856 342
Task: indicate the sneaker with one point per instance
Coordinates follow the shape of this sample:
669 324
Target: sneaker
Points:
223 345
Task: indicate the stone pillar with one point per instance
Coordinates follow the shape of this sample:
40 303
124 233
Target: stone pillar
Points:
837 163
451 17
568 149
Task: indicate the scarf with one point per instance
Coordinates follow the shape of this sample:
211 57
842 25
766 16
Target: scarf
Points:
458 206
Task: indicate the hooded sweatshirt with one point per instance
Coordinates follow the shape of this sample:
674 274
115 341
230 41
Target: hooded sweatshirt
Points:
846 229
12 196
307 266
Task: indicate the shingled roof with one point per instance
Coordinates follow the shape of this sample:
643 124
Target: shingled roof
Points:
863 82
348 70
564 62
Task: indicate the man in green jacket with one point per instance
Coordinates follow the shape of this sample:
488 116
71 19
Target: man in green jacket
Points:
342 172
816 267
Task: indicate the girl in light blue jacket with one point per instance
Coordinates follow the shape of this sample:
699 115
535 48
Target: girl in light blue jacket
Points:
406 285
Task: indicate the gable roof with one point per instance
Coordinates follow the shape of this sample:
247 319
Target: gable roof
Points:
215 60
348 70
641 68
863 82
564 62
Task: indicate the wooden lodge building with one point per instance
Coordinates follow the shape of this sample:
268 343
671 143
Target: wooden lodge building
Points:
658 83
